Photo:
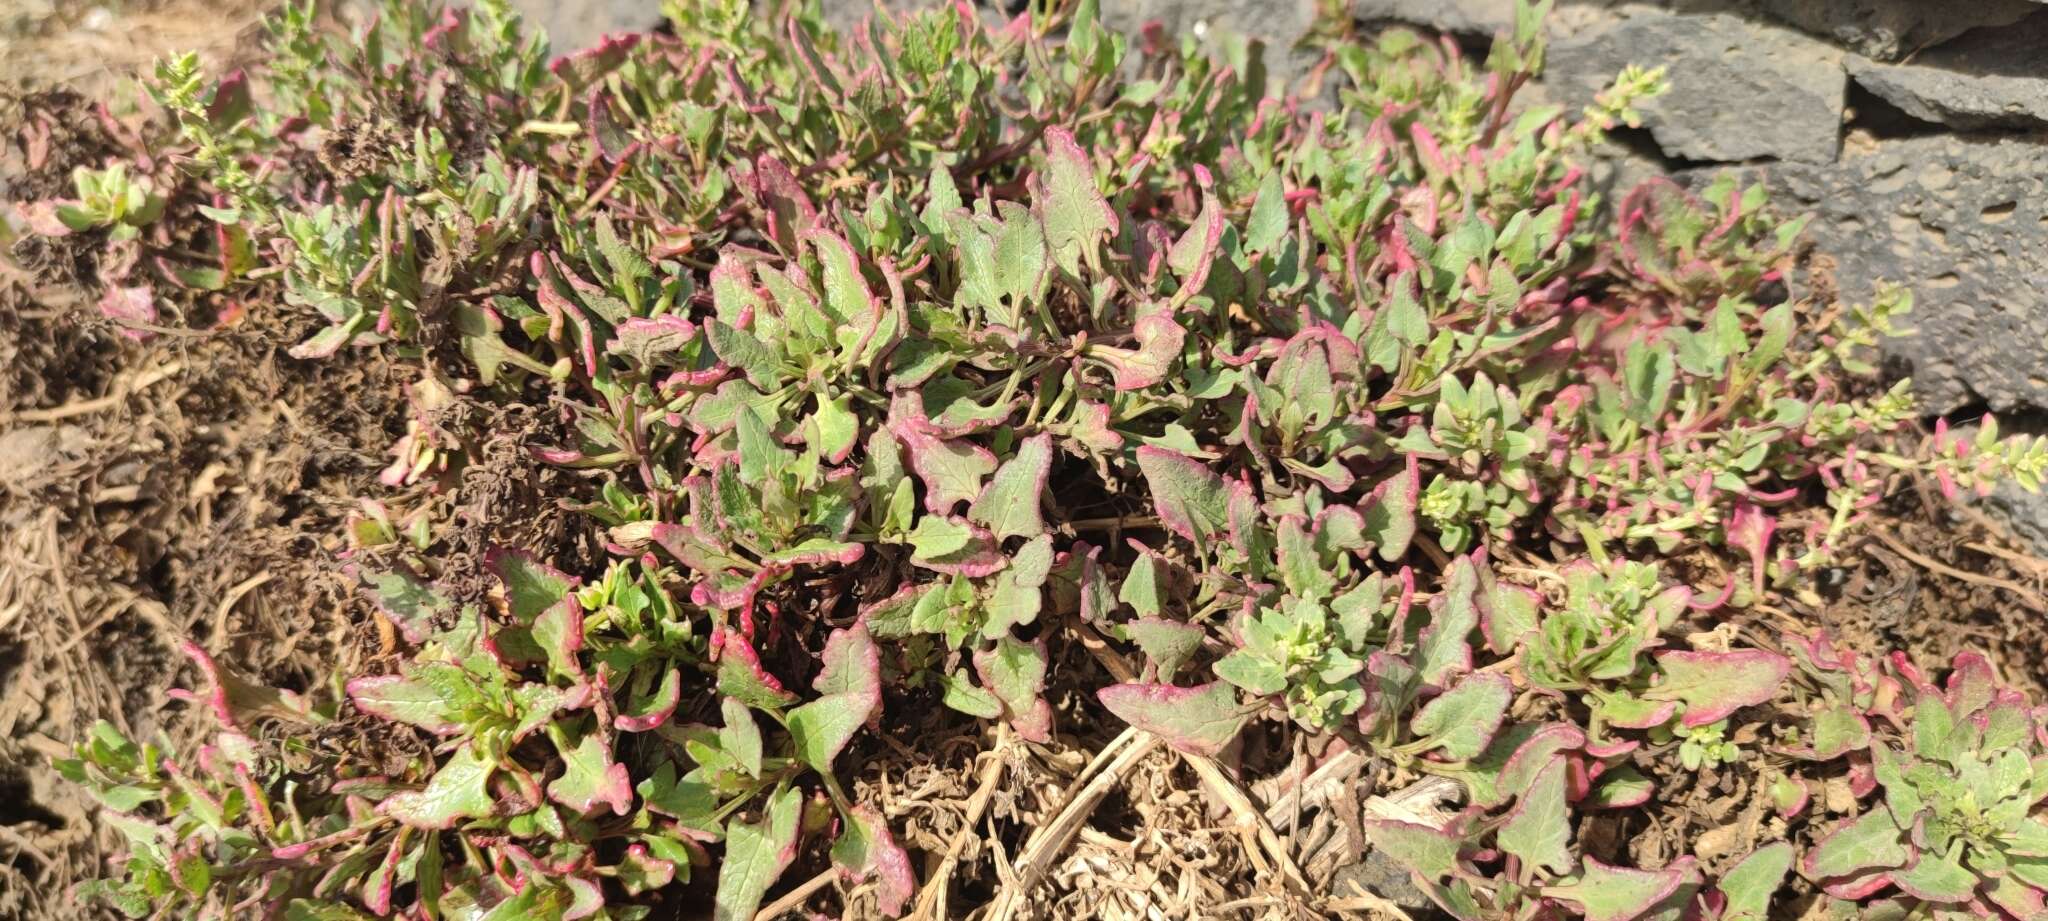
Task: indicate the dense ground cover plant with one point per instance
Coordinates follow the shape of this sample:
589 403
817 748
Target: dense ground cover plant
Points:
898 361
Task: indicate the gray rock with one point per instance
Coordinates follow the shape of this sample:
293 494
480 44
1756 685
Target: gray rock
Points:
1891 29
2026 512
1467 17
1988 78
573 25
1382 876
1961 221
1278 24
1739 90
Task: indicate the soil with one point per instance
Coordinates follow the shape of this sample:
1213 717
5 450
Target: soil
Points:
196 486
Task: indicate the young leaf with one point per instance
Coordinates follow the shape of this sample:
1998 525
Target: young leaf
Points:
1192 501
1715 684
1870 841
1539 829
866 848
755 855
1748 887
1618 893
459 790
1462 720
852 684
1198 720
590 777
1075 215
1009 504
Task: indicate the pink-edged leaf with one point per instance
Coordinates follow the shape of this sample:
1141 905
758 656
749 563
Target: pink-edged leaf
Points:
1715 684
459 790
233 698
1429 853
1538 830
590 778
740 676
653 709
130 308
1620 788
1462 721
852 664
642 872
1749 529
756 853
1198 720
1195 252
1069 203
1871 841
1159 340
1747 888
952 471
1009 504
789 210
651 340
1534 753
848 299
531 586
406 700
851 681
1015 671
1193 502
586 67
866 849
1389 511
1607 893
1168 644
1935 878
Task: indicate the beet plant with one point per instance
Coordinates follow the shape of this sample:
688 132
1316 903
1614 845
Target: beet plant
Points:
913 363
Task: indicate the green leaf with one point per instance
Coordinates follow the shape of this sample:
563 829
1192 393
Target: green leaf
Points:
590 778
1429 853
740 737
1618 893
962 695
1193 502
936 536
1936 878
741 676
1075 214
1463 720
847 296
1715 684
851 681
1252 673
412 701
459 790
1167 643
833 429
1268 220
1539 829
309 910
1009 505
1389 511
865 848
952 471
755 855
1870 841
739 349
531 587
1198 720
1748 886
1015 671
